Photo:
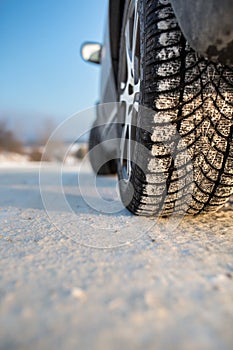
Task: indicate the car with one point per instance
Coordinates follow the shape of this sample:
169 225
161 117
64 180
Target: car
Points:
164 120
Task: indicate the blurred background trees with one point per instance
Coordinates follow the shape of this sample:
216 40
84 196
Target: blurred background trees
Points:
8 140
13 146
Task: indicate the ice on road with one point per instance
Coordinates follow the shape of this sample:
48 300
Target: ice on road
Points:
80 272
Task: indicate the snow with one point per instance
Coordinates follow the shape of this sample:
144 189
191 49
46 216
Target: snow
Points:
10 157
163 286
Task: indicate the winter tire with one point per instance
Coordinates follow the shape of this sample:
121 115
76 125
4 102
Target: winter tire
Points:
192 105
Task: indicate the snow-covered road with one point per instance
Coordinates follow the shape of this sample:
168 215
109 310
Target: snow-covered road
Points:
80 272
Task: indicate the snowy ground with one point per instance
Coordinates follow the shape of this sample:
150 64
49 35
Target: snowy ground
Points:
76 277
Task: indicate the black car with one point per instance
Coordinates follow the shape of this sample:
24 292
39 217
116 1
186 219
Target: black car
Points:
165 118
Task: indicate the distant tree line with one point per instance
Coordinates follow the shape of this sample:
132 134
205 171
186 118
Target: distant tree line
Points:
8 140
54 151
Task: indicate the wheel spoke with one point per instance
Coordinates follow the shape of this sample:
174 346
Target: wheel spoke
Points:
123 144
129 59
134 39
129 154
130 87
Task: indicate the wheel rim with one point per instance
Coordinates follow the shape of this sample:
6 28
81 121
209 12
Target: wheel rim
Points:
129 87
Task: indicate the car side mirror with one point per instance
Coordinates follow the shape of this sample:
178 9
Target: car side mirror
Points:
91 52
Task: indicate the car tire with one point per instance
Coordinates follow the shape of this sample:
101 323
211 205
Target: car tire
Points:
175 118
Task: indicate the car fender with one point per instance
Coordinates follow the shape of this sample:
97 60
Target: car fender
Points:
208 27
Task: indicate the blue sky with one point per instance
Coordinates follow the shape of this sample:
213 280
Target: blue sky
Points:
41 73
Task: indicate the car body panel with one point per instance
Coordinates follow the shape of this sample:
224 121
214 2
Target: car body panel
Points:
110 52
107 107
207 26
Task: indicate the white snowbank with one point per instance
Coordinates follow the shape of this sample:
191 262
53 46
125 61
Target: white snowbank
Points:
8 157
